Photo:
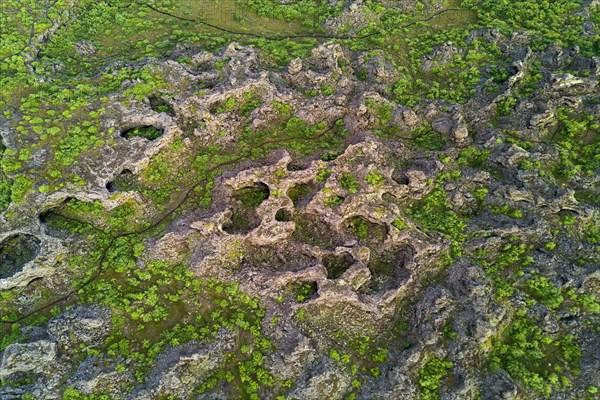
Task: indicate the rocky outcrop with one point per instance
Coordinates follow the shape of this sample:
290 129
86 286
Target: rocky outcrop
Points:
28 357
354 226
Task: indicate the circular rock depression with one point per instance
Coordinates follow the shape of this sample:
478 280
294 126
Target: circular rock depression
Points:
15 252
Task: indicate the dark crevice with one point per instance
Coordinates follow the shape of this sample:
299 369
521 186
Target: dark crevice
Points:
123 182
148 132
302 194
15 252
245 200
283 215
160 105
336 265
388 270
400 177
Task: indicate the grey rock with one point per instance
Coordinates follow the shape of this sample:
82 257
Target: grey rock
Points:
443 126
327 381
499 386
86 48
100 376
83 324
27 357
431 313
180 369
440 57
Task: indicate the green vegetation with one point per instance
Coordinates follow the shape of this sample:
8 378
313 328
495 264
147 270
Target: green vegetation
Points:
431 376
434 214
425 138
165 305
334 201
74 394
473 157
399 224
578 143
505 265
305 292
534 358
310 13
147 132
360 228
56 96
507 210
367 231
349 182
323 174
252 197
548 21
543 290
5 193
374 178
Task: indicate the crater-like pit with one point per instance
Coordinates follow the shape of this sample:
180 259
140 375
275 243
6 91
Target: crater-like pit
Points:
400 177
122 183
388 270
58 222
15 252
147 132
160 105
367 231
244 217
290 257
283 215
336 265
301 194
312 230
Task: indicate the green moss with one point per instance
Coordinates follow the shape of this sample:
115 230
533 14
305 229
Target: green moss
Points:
473 157
252 197
374 178
305 292
349 182
543 290
147 132
10 337
71 393
334 201
323 174
5 193
507 210
250 103
431 376
434 214
505 266
548 22
399 224
366 230
309 13
21 186
578 144
426 138
525 352
229 105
